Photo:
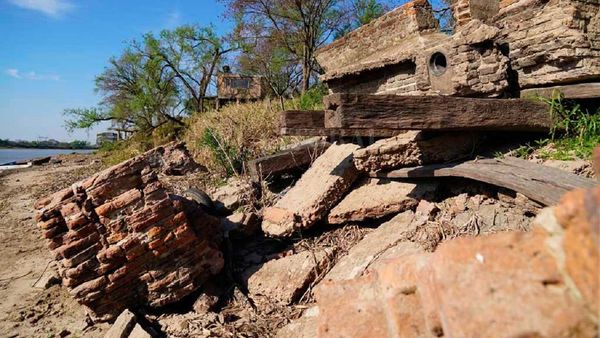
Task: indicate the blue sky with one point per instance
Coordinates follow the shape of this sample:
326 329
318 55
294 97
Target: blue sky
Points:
51 51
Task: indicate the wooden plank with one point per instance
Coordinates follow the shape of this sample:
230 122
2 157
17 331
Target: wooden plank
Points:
312 123
299 156
574 91
339 132
543 184
358 111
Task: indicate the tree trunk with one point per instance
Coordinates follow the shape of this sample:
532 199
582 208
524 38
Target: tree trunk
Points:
306 68
281 102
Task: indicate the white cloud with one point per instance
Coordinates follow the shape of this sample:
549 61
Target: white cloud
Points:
15 73
53 8
173 19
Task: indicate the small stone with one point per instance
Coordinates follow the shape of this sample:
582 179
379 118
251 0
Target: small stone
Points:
427 209
205 302
233 194
122 326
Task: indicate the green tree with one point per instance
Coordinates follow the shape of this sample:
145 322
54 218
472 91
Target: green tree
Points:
363 12
156 82
366 11
275 64
193 55
301 27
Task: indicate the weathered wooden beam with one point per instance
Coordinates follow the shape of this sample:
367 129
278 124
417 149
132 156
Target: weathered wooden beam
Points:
573 91
543 184
358 111
299 156
312 123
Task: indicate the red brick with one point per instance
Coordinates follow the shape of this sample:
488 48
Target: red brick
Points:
69 250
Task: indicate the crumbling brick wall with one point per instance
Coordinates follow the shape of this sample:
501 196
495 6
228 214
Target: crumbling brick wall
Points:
551 42
120 240
499 47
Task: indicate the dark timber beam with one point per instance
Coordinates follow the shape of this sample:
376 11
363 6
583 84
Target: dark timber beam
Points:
393 112
312 123
299 156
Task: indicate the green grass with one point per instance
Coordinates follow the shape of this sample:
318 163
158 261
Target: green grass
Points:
574 134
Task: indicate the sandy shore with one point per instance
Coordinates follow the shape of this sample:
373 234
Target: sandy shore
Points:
27 309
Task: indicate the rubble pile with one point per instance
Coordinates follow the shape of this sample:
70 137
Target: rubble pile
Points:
121 240
418 255
541 283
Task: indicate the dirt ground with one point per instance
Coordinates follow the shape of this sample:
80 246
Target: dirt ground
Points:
27 309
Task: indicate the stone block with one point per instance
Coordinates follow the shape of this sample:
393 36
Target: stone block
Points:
319 189
413 148
375 198
285 279
391 237
123 326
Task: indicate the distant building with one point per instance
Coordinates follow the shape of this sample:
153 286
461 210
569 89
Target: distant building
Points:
239 88
106 137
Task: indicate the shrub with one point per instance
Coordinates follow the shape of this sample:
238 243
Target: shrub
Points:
313 98
224 140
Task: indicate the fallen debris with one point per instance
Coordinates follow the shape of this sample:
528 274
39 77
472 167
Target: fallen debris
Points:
245 223
285 279
542 184
361 111
139 332
376 198
235 193
505 285
119 228
414 148
392 235
300 156
48 278
321 187
123 326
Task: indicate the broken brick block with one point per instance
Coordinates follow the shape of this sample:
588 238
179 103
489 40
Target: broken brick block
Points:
376 198
392 238
501 285
414 148
121 241
285 279
123 326
319 189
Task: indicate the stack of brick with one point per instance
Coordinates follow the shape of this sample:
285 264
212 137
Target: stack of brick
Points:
551 42
120 240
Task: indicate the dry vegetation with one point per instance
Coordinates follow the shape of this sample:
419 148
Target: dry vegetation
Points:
224 140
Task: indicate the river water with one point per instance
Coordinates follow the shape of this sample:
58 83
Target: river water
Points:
10 155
